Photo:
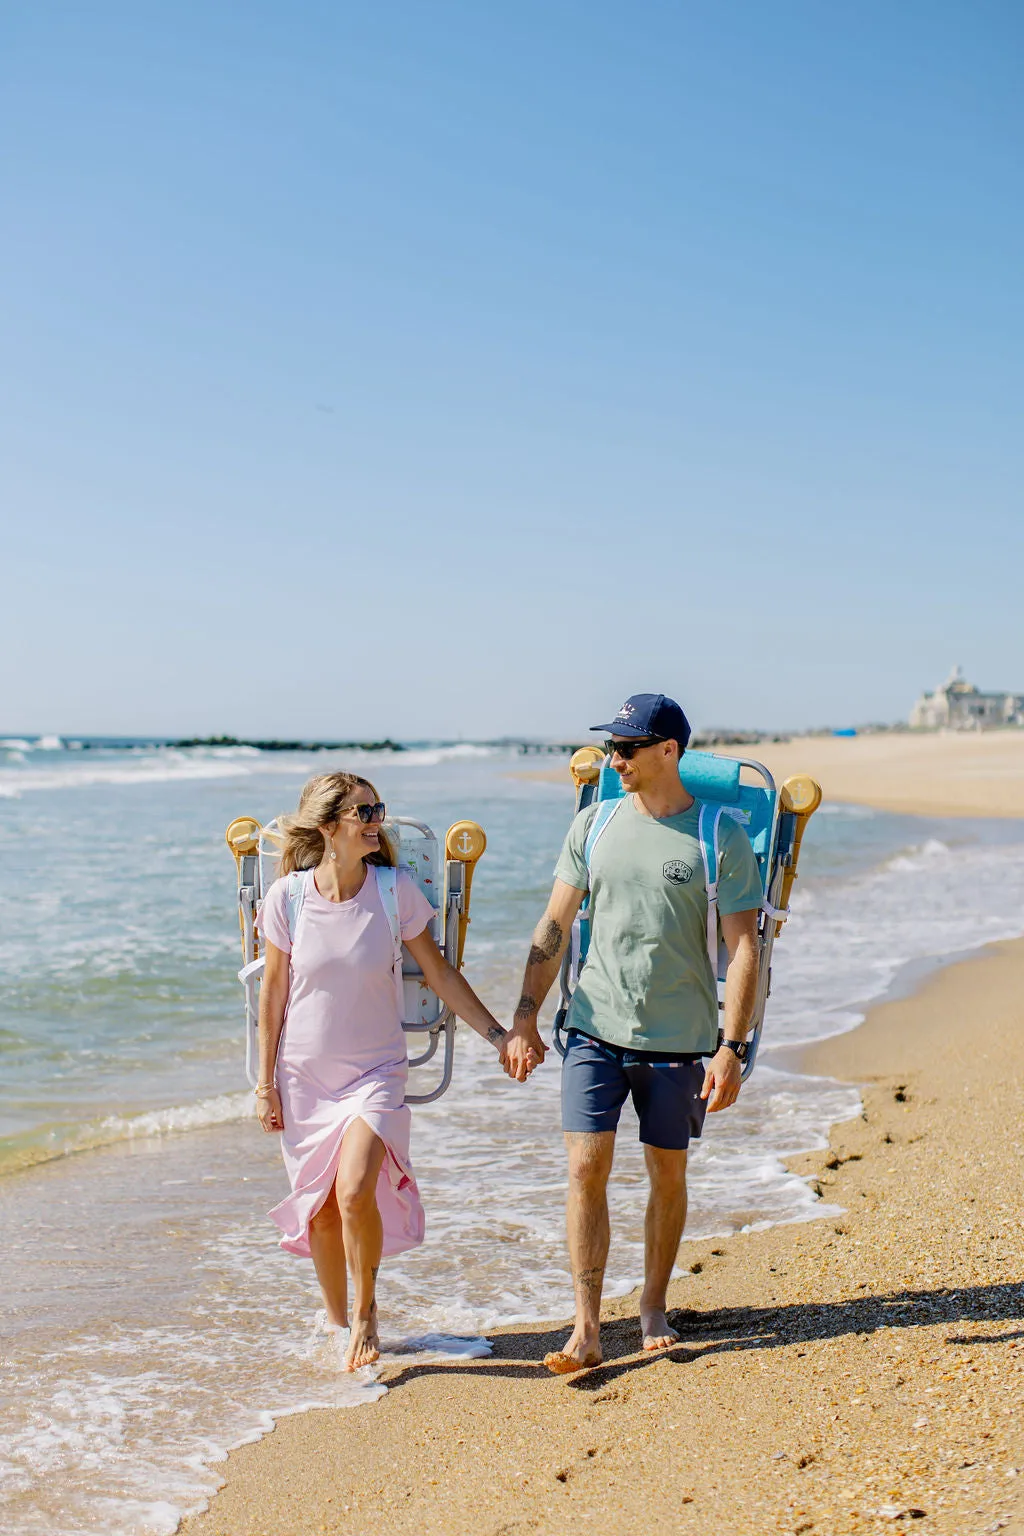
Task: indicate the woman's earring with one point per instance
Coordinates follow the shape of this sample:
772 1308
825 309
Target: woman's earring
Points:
333 854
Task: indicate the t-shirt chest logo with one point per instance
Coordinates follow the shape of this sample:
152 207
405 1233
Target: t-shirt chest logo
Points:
676 871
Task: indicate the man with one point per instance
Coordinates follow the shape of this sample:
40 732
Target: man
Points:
645 1010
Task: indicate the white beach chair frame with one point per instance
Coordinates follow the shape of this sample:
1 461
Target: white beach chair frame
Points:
425 1013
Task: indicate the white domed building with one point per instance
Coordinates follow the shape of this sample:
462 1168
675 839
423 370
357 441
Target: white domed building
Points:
959 706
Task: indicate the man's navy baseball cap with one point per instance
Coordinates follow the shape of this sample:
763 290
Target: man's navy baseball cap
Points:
650 714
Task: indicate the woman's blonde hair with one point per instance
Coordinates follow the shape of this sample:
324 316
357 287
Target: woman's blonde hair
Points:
322 802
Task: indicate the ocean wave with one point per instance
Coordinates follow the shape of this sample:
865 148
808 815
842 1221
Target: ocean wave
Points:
145 771
21 1153
921 857
848 812
147 766
76 1447
415 757
847 942
180 1117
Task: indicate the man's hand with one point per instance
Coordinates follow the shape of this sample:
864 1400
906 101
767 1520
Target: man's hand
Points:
722 1080
523 1048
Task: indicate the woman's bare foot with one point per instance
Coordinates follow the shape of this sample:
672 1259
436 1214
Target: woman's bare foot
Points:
363 1344
654 1326
582 1351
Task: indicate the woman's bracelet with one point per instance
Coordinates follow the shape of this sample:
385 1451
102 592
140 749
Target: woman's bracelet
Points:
263 1090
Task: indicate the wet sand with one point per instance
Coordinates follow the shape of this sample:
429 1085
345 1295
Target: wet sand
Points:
850 1374
953 774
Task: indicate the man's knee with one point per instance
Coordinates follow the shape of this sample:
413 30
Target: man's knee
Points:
590 1158
666 1168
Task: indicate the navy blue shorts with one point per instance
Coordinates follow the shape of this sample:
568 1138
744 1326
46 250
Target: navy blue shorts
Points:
597 1078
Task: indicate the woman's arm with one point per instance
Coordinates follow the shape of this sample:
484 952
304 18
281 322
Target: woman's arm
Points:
453 989
273 1001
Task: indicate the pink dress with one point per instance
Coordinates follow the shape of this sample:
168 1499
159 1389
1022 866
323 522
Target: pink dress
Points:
342 1052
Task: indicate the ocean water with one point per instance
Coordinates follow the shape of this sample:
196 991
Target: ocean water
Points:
149 1319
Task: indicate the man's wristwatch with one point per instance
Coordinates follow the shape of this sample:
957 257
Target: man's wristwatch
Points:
738 1047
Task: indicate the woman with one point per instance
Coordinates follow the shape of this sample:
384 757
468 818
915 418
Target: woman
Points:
333 1063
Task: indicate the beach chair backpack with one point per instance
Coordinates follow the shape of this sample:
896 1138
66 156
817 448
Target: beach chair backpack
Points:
774 834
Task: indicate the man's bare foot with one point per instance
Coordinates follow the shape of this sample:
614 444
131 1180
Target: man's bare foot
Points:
363 1344
582 1350
654 1326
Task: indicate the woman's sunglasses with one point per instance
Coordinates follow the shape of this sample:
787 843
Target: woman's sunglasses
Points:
368 813
628 749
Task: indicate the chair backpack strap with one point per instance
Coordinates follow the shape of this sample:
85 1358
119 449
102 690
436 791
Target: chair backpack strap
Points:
605 811
707 831
298 885
387 889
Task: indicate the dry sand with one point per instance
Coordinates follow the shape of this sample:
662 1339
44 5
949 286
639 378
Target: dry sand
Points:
956 773
851 1374
949 774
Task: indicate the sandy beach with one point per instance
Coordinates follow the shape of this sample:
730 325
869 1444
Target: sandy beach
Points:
947 774
850 1374
943 774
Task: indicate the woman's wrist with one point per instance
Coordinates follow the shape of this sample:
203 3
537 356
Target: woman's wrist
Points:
497 1036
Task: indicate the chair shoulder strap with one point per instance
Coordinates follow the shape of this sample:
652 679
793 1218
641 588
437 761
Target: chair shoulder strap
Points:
605 811
387 890
298 885
707 832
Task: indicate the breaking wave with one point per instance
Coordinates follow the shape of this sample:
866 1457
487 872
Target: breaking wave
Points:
143 766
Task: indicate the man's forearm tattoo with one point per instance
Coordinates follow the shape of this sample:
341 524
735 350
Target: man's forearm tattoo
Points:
589 1281
526 1006
496 1035
548 945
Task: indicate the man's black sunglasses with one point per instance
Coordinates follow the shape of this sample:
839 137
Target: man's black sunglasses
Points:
628 749
368 813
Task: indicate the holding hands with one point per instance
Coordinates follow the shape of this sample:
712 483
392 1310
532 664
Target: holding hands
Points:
522 1049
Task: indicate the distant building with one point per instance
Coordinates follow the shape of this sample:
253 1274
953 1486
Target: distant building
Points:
959 706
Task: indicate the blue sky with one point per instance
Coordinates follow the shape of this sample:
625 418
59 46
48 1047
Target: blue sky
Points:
459 369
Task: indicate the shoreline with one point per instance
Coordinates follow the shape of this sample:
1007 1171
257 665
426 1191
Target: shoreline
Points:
857 1412
956 774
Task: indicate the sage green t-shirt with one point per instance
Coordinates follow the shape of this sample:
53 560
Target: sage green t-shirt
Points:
647 981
